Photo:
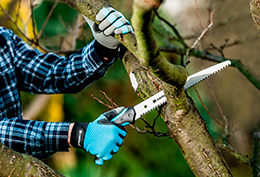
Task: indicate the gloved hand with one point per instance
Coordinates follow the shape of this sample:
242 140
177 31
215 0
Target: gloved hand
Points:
111 22
101 137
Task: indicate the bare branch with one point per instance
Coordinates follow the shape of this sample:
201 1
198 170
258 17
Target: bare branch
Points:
18 11
198 39
204 106
204 31
13 21
241 158
108 102
198 14
220 109
176 32
33 23
47 19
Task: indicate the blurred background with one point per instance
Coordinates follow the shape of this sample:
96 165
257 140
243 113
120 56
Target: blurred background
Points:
144 154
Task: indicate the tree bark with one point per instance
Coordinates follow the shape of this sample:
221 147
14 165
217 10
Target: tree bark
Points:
16 164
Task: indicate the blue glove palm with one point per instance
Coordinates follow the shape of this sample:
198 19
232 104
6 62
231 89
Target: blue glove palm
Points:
101 137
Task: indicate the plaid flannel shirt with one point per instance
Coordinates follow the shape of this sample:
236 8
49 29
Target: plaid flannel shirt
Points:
25 69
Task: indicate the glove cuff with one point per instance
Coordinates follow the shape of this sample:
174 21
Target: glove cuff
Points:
78 134
103 51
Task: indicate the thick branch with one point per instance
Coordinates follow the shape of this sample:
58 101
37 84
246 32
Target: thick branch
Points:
189 130
164 70
16 164
148 51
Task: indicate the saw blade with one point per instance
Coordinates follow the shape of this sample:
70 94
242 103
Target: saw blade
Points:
149 104
159 98
205 73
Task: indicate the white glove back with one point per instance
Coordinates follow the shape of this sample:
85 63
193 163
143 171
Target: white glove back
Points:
111 22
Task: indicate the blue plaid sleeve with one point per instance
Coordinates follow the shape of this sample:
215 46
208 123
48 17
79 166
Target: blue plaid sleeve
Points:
50 73
25 69
37 138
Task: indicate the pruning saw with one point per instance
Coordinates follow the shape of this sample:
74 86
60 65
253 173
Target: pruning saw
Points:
130 115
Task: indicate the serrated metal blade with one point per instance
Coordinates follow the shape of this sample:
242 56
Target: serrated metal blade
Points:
159 98
149 104
204 74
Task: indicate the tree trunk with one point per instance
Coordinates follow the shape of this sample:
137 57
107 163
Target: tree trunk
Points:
184 123
181 116
16 164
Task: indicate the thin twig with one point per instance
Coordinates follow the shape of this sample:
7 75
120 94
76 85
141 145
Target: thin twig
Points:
204 31
114 105
101 102
33 23
151 128
18 11
176 32
47 19
13 21
225 45
200 37
219 108
204 106
9 17
198 14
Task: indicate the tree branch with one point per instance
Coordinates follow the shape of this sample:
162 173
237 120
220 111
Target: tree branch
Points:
17 164
241 158
148 51
47 19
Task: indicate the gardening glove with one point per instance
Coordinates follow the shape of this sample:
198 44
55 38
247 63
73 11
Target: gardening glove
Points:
101 137
111 22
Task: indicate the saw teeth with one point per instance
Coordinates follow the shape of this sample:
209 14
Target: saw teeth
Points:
216 71
153 108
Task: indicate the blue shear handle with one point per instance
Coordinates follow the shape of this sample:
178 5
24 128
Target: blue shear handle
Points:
127 116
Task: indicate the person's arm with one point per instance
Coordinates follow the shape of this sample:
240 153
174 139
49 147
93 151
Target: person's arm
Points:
50 73
37 138
40 139
37 72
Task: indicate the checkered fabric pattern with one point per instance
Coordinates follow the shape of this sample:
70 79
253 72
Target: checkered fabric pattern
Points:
25 69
